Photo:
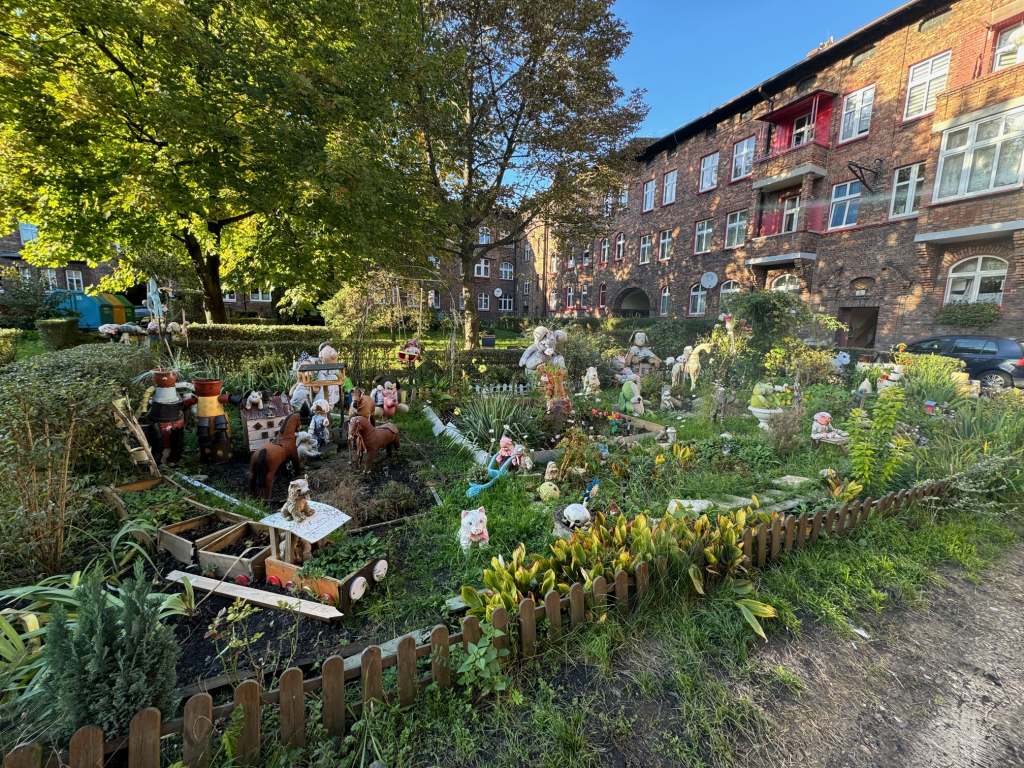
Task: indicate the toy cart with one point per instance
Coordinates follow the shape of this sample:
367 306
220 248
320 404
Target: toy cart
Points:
287 540
263 424
244 568
173 538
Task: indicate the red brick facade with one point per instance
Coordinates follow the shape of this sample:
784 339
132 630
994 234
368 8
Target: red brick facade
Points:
70 277
885 274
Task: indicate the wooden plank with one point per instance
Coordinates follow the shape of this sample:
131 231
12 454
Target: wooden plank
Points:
333 707
865 511
406 671
790 526
643 580
748 539
622 592
470 631
292 706
600 588
86 747
816 525
196 729
762 544
499 620
247 696
776 536
577 605
24 756
553 609
439 668
373 683
802 529
527 627
144 739
307 608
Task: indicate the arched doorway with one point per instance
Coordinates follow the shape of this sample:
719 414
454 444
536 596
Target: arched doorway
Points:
633 302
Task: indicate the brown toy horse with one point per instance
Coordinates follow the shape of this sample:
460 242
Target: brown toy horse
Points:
266 461
370 439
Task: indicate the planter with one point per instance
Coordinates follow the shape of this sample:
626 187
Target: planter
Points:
243 567
488 340
176 539
763 415
341 592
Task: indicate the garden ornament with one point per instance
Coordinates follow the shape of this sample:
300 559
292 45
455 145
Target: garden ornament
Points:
369 439
300 396
865 387
410 352
762 396
264 463
551 472
164 423
591 382
508 457
362 404
320 423
329 356
730 327
668 403
548 491
693 363
640 354
473 529
552 378
679 367
719 400
377 394
254 401
544 349
212 423
822 430
306 446
840 361
124 331
390 404
297 506
629 397
576 515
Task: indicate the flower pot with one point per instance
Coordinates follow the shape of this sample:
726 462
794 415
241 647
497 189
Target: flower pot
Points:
763 414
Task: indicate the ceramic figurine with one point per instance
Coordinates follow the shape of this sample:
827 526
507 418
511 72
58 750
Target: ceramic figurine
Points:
254 401
543 350
410 352
212 423
719 401
730 326
264 463
389 400
822 430
369 439
473 528
591 382
640 354
547 491
840 361
761 396
165 418
305 446
865 387
320 423
679 374
297 506
576 515
668 403
552 378
551 472
693 363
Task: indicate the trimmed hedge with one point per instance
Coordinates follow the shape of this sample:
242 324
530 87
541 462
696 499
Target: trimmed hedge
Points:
9 338
58 332
311 335
962 315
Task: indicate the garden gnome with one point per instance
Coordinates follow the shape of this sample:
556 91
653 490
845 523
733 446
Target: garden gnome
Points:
473 529
591 382
212 423
822 430
679 367
551 472
640 353
165 418
320 423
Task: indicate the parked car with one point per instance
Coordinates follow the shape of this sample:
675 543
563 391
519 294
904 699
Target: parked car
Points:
993 360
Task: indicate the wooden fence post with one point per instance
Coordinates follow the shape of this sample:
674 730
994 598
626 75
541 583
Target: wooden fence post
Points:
499 620
790 526
470 631
816 525
762 544
333 707
622 592
553 611
247 696
802 529
439 668
600 593
643 580
197 725
86 747
776 536
293 708
144 739
24 756
577 604
527 627
748 538
373 684
407 670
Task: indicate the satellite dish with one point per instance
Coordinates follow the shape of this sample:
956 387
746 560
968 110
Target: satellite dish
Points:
708 280
497 293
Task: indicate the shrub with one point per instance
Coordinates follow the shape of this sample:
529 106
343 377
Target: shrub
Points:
788 431
773 315
962 315
876 450
311 334
669 337
8 344
583 349
485 419
929 377
24 300
58 332
114 660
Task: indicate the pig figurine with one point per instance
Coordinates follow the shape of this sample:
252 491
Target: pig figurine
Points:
473 529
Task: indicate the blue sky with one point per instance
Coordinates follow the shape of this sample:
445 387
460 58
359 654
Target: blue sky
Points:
691 56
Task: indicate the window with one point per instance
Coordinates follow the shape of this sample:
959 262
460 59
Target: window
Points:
666 302
906 190
624 197
665 245
485 235
483 301
229 296
786 283
698 299
570 297
649 195
51 279
702 236
645 249
585 296
26 274
74 280
609 204
260 295
743 157
554 299
620 247
803 130
974 280
27 231
857 114
435 262
506 303
482 268
605 247
709 172
845 202
526 287
570 263
982 156
974 347
434 299
924 84
790 213
602 296
585 257
527 252
462 269
507 271
668 188
735 229
728 289
1009 47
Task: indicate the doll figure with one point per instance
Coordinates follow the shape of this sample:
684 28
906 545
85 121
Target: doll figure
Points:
320 423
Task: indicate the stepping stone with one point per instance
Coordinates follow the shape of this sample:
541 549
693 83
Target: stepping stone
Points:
693 506
782 506
730 503
790 481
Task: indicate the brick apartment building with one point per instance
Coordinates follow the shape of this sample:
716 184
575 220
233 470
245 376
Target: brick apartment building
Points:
881 177
76 276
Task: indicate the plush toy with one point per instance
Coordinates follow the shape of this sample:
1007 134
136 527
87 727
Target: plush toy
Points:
329 356
377 395
254 401
544 349
473 529
630 399
297 506
389 400
840 361
640 352
301 394
305 445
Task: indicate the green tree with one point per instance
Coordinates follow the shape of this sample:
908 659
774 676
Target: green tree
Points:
25 298
523 122
258 140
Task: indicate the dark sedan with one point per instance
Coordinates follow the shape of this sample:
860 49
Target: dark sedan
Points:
993 360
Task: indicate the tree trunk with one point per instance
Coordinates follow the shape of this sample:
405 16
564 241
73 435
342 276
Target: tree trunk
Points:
207 267
470 317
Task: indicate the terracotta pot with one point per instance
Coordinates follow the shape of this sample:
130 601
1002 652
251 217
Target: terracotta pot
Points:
207 387
164 378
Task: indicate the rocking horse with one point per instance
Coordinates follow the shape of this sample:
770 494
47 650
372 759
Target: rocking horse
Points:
370 439
266 461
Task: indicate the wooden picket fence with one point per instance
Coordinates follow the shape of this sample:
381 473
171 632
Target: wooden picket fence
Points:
339 676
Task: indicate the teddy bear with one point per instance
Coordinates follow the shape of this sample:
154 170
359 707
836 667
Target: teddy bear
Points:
640 352
473 529
544 349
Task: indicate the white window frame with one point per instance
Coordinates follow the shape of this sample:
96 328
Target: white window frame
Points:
507 303
484 234
743 157
855 119
665 245
702 232
483 301
649 189
624 197
50 274
507 271
846 199
74 276
665 303
482 268
585 257
736 229
932 75
27 232
914 184
526 287
790 211
570 297
708 172
970 149
229 296
645 250
787 283
602 296
976 277
805 133
261 296
1015 47
668 187
698 304
605 249
726 289
585 296
620 247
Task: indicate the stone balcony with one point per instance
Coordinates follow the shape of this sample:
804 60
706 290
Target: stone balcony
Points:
786 168
782 249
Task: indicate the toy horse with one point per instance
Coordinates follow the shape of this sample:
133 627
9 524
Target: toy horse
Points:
266 461
370 439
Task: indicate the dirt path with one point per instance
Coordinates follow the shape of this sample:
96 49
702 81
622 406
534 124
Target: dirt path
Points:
941 687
